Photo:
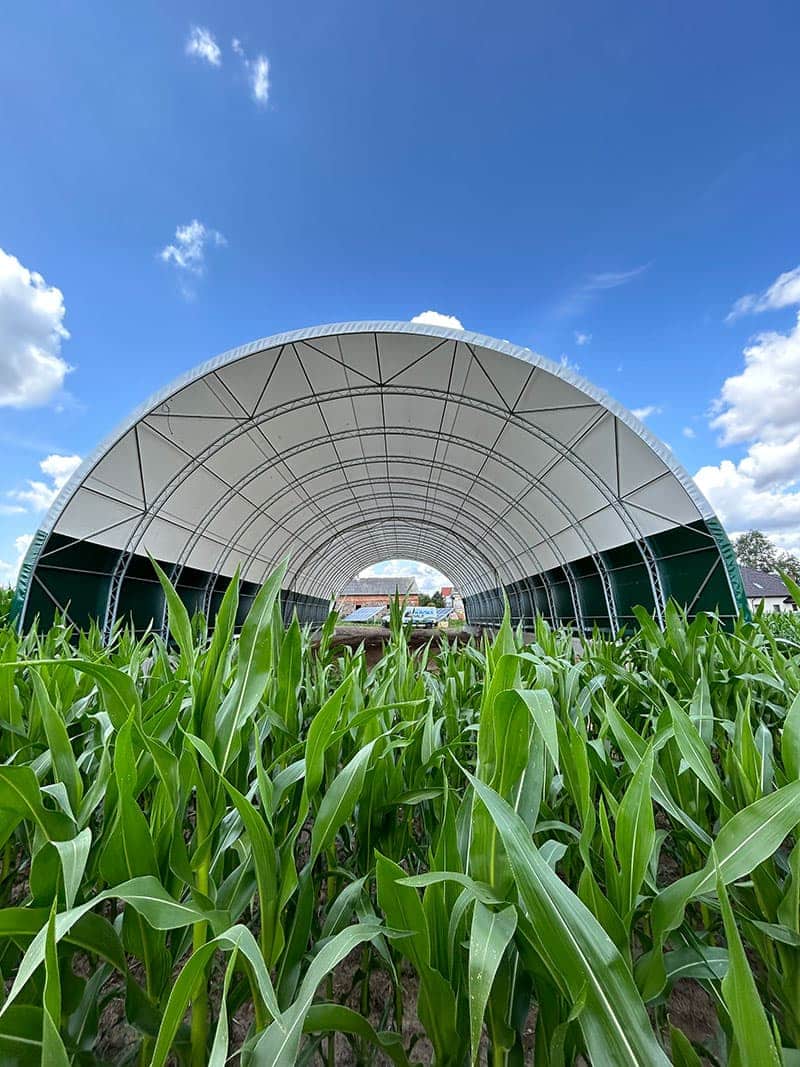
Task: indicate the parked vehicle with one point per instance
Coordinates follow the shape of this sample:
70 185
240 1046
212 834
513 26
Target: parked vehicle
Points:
417 617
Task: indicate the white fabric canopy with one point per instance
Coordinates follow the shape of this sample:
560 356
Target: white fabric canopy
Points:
345 445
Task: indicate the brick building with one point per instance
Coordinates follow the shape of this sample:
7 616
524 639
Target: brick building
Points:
366 592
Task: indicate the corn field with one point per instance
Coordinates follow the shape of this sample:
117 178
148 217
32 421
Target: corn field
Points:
259 849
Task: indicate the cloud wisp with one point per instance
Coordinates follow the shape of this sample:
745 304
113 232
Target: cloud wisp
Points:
644 413
32 370
187 252
257 72
582 338
202 45
582 296
784 292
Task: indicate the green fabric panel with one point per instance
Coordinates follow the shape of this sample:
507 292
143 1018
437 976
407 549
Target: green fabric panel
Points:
680 539
590 592
629 580
77 574
84 600
141 603
40 608
541 604
686 556
731 566
24 580
561 595
683 575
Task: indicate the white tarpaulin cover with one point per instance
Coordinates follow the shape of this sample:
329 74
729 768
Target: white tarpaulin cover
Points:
345 445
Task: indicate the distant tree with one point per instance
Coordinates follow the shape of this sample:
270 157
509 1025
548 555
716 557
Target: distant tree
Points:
6 596
754 549
789 564
424 600
437 600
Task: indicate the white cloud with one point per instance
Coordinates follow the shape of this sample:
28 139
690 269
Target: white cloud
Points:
784 292
760 408
31 331
188 251
741 506
582 338
201 44
587 292
257 71
10 571
763 402
688 432
611 279
429 580
39 495
646 411
435 318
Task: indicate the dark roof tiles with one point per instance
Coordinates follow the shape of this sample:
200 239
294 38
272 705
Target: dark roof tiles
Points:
386 586
760 584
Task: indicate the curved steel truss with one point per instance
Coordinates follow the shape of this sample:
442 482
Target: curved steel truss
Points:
345 445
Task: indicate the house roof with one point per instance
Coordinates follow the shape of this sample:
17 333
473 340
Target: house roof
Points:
761 584
386 586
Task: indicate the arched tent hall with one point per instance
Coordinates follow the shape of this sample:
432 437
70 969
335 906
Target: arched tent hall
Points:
340 446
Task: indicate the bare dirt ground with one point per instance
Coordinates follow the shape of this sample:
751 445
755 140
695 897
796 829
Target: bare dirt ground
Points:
373 638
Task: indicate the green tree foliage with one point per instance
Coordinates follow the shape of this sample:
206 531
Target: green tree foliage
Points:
6 597
789 564
754 549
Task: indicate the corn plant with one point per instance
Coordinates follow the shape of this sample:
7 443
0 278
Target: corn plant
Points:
241 842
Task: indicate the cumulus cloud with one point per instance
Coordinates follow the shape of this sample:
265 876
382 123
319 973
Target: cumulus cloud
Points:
742 506
257 71
784 292
187 253
429 580
688 432
582 338
763 401
760 409
10 571
435 318
32 370
202 45
38 495
646 411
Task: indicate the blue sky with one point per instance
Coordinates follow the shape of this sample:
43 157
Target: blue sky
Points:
601 183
